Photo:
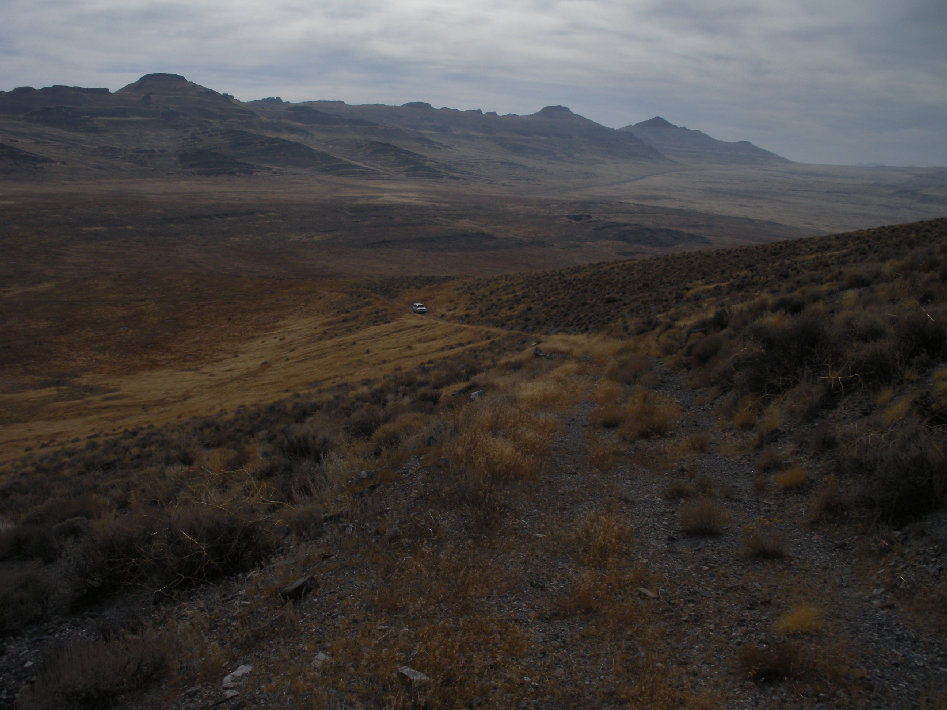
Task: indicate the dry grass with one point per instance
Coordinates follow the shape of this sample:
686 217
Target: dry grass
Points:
703 516
649 414
602 538
96 674
801 620
761 540
827 501
555 390
793 478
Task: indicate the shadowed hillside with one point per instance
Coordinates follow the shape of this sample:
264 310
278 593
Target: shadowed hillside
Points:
694 146
712 479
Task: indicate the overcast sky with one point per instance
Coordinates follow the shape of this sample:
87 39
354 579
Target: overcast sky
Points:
827 81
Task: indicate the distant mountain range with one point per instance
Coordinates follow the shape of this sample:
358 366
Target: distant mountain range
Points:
164 124
688 146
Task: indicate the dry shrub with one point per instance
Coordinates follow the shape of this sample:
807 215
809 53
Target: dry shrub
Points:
164 550
600 591
28 596
703 516
792 479
767 429
698 442
769 459
546 393
608 416
495 444
601 538
827 501
649 414
762 541
409 429
746 412
903 470
97 674
702 486
799 620
609 392
632 368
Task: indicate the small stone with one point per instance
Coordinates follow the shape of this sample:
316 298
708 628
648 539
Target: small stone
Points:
647 593
406 673
231 679
320 659
298 589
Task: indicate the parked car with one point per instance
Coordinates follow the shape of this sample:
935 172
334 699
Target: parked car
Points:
418 308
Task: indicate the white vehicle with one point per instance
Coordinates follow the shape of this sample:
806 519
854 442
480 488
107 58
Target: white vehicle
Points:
418 308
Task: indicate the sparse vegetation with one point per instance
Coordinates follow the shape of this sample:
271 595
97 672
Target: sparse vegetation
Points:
480 511
703 516
762 540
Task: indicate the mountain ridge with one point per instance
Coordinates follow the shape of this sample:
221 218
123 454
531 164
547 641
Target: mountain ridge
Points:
169 123
687 145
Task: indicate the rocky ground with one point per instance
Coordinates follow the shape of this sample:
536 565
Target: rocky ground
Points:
636 612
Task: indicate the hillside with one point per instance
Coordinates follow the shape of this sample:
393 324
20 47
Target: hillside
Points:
697 480
691 146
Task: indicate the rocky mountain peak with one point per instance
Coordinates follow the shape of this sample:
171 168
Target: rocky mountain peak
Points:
555 112
656 122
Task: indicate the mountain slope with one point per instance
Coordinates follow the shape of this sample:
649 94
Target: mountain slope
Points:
690 146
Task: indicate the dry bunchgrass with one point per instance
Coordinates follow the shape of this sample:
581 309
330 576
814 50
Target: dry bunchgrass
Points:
761 540
608 416
97 673
827 500
493 445
746 413
609 592
767 429
632 369
558 389
699 486
698 442
409 430
703 516
608 392
793 478
649 414
800 620
601 538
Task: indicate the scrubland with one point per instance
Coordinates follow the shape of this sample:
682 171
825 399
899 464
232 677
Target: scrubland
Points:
704 480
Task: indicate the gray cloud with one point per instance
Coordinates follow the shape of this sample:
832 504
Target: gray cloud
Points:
850 81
